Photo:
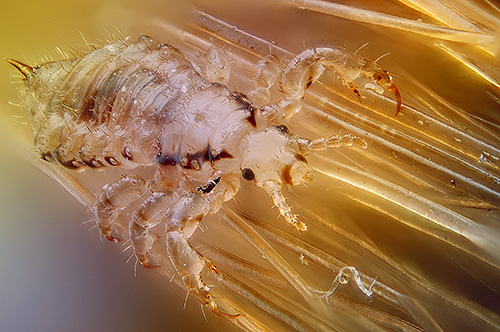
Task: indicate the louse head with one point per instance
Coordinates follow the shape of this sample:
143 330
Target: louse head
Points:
273 155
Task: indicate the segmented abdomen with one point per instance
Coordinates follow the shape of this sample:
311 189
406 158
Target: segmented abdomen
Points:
108 107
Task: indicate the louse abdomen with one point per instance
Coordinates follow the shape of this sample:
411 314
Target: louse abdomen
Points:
108 107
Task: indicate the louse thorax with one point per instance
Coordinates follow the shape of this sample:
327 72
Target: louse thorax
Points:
203 140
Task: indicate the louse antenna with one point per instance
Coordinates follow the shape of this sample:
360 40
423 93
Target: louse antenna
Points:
203 312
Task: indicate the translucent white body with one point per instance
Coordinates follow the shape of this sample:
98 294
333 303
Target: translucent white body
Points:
142 103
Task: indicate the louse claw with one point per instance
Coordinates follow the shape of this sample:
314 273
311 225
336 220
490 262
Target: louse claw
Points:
112 239
205 298
150 266
144 260
222 314
393 88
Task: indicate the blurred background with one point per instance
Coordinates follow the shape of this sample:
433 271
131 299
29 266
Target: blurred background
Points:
57 276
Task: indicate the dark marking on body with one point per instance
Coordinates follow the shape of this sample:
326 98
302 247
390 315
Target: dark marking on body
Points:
92 163
300 157
47 156
309 82
168 160
112 161
246 105
71 164
210 186
195 160
87 111
192 160
282 129
222 155
286 176
127 153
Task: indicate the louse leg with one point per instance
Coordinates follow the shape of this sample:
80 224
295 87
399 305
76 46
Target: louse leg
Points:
115 197
148 216
181 215
267 72
189 264
306 67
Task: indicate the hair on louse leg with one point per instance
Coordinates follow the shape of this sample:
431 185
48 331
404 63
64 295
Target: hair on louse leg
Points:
179 209
91 228
130 257
62 53
135 265
202 308
185 300
88 221
116 36
127 244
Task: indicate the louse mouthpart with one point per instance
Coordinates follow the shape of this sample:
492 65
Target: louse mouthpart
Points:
23 68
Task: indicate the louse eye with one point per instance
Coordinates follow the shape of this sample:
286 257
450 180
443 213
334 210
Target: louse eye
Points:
283 129
248 174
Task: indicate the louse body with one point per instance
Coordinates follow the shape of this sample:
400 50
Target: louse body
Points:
143 104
